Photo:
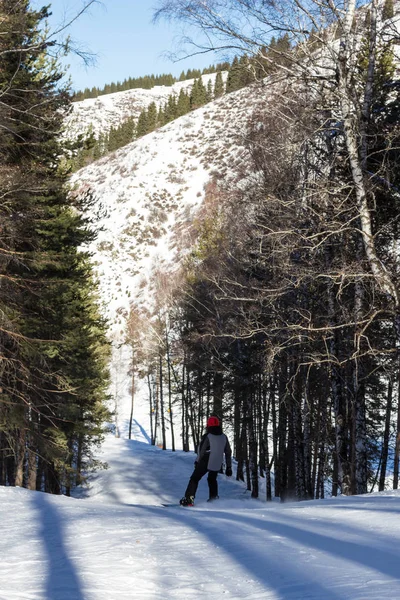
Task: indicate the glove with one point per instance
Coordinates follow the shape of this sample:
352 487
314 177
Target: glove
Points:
228 472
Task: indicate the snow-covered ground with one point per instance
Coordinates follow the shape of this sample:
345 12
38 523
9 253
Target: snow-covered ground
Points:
148 194
118 543
115 541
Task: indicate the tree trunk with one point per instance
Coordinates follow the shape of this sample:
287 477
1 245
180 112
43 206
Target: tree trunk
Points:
322 442
236 419
241 456
397 443
386 435
162 407
267 399
360 427
351 134
281 463
316 446
261 405
52 484
253 462
191 416
2 460
274 434
308 412
361 474
171 414
32 468
156 407
21 456
342 477
246 459
132 403
79 458
151 408
298 437
320 481
186 385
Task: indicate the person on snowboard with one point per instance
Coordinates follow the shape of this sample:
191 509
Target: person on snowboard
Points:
214 444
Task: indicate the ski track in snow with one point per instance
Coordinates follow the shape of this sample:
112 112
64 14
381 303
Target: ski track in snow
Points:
116 542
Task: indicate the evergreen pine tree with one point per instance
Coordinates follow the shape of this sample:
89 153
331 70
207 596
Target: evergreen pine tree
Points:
219 85
233 81
283 48
46 282
388 10
141 127
183 104
209 92
170 110
98 148
152 121
113 142
161 116
198 95
246 74
272 45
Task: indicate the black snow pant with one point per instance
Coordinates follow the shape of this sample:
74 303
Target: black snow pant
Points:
199 471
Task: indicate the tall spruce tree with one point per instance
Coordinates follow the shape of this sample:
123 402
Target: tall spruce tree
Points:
170 109
233 81
183 104
152 117
198 96
52 342
219 85
209 92
141 127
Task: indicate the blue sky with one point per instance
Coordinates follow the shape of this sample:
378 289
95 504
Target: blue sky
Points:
123 38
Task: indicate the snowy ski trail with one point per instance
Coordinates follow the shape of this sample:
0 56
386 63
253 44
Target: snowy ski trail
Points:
118 542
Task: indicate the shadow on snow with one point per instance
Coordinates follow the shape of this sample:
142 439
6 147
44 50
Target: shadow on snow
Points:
62 581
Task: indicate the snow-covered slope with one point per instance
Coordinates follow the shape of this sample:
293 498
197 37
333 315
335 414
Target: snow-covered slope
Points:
152 188
110 110
120 544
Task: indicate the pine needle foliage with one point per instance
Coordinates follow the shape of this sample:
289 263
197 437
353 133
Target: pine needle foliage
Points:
53 350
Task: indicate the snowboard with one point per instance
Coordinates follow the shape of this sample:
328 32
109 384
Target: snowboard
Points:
176 504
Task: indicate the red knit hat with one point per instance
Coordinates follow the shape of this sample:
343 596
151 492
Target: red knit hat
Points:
212 422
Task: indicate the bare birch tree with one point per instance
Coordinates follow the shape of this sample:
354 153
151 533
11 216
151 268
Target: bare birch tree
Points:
247 26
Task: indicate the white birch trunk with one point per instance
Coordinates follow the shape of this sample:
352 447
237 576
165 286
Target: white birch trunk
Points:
351 122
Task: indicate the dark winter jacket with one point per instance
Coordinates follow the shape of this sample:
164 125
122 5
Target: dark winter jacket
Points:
214 444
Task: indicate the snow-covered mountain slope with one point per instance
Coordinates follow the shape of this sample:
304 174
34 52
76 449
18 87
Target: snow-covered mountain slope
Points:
151 190
99 114
119 543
